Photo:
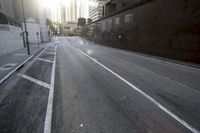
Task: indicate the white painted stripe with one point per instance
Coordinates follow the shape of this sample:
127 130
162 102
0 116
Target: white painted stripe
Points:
39 82
49 53
48 119
41 59
181 121
9 74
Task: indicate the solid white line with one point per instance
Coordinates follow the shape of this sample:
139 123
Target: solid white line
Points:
181 121
48 119
45 60
49 53
9 74
39 82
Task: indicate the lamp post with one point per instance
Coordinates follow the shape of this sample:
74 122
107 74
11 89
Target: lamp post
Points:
25 28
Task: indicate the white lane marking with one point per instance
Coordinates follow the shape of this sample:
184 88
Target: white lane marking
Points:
39 82
181 121
49 53
45 60
9 74
48 119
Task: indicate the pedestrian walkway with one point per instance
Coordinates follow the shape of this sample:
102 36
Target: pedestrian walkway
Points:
12 61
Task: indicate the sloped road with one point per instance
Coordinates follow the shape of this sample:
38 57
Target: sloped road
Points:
105 90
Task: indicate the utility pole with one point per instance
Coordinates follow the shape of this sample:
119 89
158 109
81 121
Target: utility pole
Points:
25 28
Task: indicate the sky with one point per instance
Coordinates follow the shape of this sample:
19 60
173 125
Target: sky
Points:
54 7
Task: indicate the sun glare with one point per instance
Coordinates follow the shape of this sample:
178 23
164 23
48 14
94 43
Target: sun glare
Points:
49 3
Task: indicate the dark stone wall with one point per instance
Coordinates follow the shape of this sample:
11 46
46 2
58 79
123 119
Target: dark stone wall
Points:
168 28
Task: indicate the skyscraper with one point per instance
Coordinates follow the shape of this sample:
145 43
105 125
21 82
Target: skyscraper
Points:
96 9
71 10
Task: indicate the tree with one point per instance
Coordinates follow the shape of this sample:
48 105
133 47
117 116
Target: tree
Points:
57 28
89 20
51 25
81 21
54 26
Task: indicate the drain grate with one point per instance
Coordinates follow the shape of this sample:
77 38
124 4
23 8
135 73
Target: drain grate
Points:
7 66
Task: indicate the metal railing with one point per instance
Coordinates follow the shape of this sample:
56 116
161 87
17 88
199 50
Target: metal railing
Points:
12 21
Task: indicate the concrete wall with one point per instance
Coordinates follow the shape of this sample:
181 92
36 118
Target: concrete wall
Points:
10 39
33 28
169 28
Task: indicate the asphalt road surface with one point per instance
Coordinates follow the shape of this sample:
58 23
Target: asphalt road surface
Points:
105 90
76 86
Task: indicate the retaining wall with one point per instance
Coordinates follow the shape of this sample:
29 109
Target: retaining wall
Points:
10 39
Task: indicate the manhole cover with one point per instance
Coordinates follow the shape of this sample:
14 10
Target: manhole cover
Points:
7 66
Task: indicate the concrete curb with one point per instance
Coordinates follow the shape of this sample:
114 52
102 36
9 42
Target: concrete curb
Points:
10 73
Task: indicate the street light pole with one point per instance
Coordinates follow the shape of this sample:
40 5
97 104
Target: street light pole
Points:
25 28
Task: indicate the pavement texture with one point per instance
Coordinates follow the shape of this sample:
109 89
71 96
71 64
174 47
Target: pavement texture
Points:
90 99
11 61
24 96
92 92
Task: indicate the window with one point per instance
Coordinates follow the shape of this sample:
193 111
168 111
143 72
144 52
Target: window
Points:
129 18
117 21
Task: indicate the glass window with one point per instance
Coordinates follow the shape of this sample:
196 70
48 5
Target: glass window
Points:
129 18
117 21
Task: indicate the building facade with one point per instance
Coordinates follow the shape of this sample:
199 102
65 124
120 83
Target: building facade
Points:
6 7
10 38
34 11
31 8
96 9
71 10
115 5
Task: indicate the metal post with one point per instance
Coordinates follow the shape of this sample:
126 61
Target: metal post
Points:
25 27
38 39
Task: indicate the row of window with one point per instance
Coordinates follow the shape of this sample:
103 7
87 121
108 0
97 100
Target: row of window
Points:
107 24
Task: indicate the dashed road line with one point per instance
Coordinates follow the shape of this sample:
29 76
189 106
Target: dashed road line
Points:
48 118
39 82
41 59
155 102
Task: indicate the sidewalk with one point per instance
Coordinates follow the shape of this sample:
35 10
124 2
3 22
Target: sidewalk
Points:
10 62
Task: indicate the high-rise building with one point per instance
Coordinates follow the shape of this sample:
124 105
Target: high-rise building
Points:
68 11
96 8
71 10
